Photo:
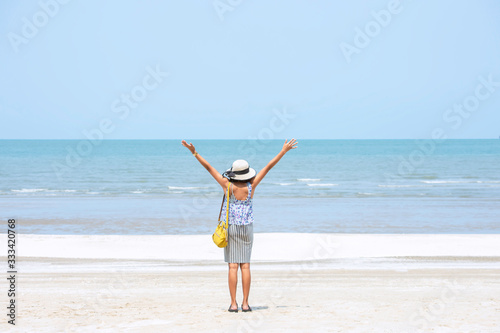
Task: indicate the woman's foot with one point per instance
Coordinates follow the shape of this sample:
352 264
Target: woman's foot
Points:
233 308
246 308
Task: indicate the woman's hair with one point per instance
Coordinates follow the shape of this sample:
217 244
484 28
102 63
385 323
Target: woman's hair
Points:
225 175
241 181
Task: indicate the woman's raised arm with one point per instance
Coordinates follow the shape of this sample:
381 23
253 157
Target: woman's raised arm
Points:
217 176
292 144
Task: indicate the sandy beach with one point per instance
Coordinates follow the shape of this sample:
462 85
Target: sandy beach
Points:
399 293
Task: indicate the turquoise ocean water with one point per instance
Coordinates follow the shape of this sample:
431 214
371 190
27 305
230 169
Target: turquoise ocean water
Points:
344 186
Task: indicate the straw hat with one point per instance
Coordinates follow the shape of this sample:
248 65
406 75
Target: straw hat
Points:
240 171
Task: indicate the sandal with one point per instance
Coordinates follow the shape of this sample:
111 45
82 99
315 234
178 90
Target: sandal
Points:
247 310
233 310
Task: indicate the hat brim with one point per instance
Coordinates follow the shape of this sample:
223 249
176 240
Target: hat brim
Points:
249 175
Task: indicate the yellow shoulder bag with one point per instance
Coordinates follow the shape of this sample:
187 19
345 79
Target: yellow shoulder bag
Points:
220 235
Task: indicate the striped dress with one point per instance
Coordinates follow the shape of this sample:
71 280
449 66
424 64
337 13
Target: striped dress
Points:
240 239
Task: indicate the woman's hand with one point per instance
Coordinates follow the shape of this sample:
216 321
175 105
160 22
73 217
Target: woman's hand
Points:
292 144
288 145
189 146
217 176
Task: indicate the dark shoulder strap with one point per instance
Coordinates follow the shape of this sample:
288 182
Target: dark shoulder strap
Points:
222 203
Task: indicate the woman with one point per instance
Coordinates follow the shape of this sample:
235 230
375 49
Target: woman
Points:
238 251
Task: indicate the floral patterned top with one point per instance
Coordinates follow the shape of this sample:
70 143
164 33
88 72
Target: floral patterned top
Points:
240 211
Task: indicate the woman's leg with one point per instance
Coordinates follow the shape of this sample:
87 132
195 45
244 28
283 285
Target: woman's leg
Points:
245 280
233 281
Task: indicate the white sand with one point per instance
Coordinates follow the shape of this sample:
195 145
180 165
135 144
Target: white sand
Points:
267 247
351 283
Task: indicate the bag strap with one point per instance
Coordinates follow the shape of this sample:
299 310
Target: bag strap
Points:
222 203
227 207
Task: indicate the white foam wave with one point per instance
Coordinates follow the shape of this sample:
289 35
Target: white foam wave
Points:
283 184
445 182
30 190
184 187
322 184
33 190
397 186
460 181
308 179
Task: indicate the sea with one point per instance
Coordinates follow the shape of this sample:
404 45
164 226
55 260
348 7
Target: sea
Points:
156 187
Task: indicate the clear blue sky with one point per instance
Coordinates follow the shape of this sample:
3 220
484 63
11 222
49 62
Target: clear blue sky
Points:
227 77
